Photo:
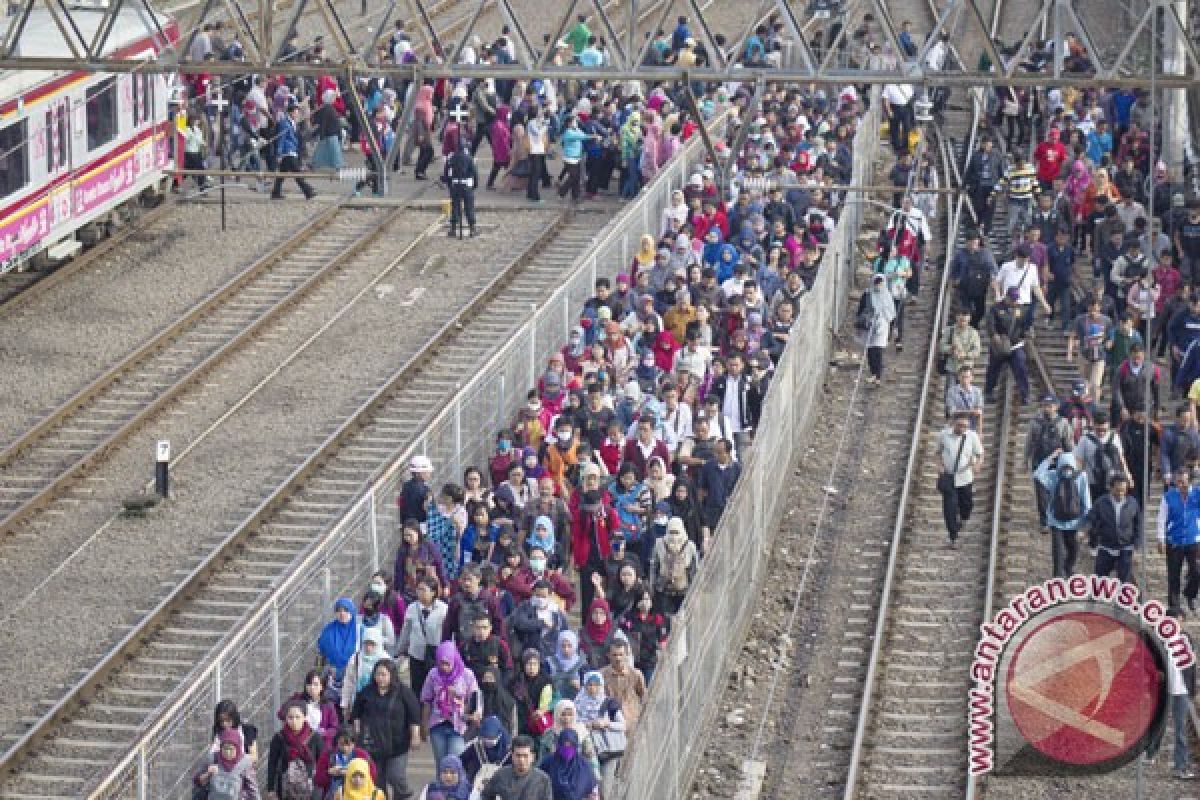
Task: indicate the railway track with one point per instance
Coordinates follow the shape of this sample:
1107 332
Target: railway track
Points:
38 466
91 726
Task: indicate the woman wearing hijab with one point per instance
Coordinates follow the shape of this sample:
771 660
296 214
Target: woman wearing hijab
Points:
321 713
643 259
421 130
449 691
651 148
598 633
226 717
451 784
328 152
602 716
684 505
631 154
497 702
417 558
566 718
358 784
338 642
295 742
570 776
487 752
567 665
876 310
533 691
674 216
502 143
232 772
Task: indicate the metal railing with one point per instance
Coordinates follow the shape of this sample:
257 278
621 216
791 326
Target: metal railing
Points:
264 659
666 747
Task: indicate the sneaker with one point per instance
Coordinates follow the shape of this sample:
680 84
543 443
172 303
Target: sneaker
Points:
1192 604
899 345
1183 775
989 398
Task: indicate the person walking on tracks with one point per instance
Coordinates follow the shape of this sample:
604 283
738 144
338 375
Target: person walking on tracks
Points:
1179 538
462 178
972 272
1007 323
1113 530
1049 435
1062 489
959 454
287 149
876 311
1099 453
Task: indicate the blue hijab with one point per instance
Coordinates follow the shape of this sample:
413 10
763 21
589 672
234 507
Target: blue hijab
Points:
460 790
725 266
712 250
570 775
492 728
339 641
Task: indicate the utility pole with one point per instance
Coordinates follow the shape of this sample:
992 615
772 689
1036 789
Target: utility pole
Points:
1175 126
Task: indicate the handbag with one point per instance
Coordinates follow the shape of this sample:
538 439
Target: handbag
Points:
1011 107
486 769
945 481
609 744
539 722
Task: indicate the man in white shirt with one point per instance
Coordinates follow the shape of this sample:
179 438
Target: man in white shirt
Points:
959 454
676 419
536 131
1020 274
897 102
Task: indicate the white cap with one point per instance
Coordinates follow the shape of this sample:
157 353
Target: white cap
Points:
420 464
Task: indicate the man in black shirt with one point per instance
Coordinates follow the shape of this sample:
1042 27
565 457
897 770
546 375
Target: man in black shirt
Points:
1187 242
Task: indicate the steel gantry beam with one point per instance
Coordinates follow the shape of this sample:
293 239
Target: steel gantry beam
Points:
84 44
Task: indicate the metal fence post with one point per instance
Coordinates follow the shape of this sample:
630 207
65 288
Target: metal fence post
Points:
217 677
373 523
143 780
277 656
458 435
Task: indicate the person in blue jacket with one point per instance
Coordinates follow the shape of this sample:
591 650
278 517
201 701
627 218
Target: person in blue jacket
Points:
1064 527
287 151
1179 536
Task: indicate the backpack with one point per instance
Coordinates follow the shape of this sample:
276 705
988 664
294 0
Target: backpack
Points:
1066 505
1105 460
1183 451
674 579
866 313
1047 439
225 785
297 782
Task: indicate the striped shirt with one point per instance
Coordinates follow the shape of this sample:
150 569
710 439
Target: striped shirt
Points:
1020 182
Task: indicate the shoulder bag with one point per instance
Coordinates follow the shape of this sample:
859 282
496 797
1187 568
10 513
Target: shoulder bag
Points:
945 481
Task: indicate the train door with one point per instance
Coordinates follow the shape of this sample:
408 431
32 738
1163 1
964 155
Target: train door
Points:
57 142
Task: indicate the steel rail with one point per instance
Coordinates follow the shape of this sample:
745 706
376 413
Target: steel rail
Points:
52 490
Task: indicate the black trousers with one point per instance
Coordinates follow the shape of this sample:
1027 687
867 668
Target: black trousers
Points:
572 180
900 124
956 508
424 159
291 164
1064 549
537 173
462 203
1176 557
875 361
981 201
976 305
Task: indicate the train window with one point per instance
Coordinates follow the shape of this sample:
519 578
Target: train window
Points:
101 113
58 140
14 166
143 99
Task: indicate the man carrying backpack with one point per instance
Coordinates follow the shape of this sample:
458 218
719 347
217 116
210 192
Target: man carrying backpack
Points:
1048 436
1179 537
1067 502
1114 531
1099 454
971 272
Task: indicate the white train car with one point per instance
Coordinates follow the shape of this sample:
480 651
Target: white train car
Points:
77 149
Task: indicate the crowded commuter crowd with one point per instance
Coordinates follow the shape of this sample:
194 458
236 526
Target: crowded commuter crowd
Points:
521 622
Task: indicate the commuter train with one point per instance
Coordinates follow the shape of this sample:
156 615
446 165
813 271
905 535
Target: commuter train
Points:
79 149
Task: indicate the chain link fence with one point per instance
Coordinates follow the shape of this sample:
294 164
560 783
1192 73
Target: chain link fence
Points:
265 658
664 752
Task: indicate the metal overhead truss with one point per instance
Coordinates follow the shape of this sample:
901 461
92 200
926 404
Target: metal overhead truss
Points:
255 23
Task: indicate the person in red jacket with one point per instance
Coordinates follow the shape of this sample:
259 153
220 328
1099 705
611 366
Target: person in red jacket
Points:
645 446
1049 157
593 521
331 766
